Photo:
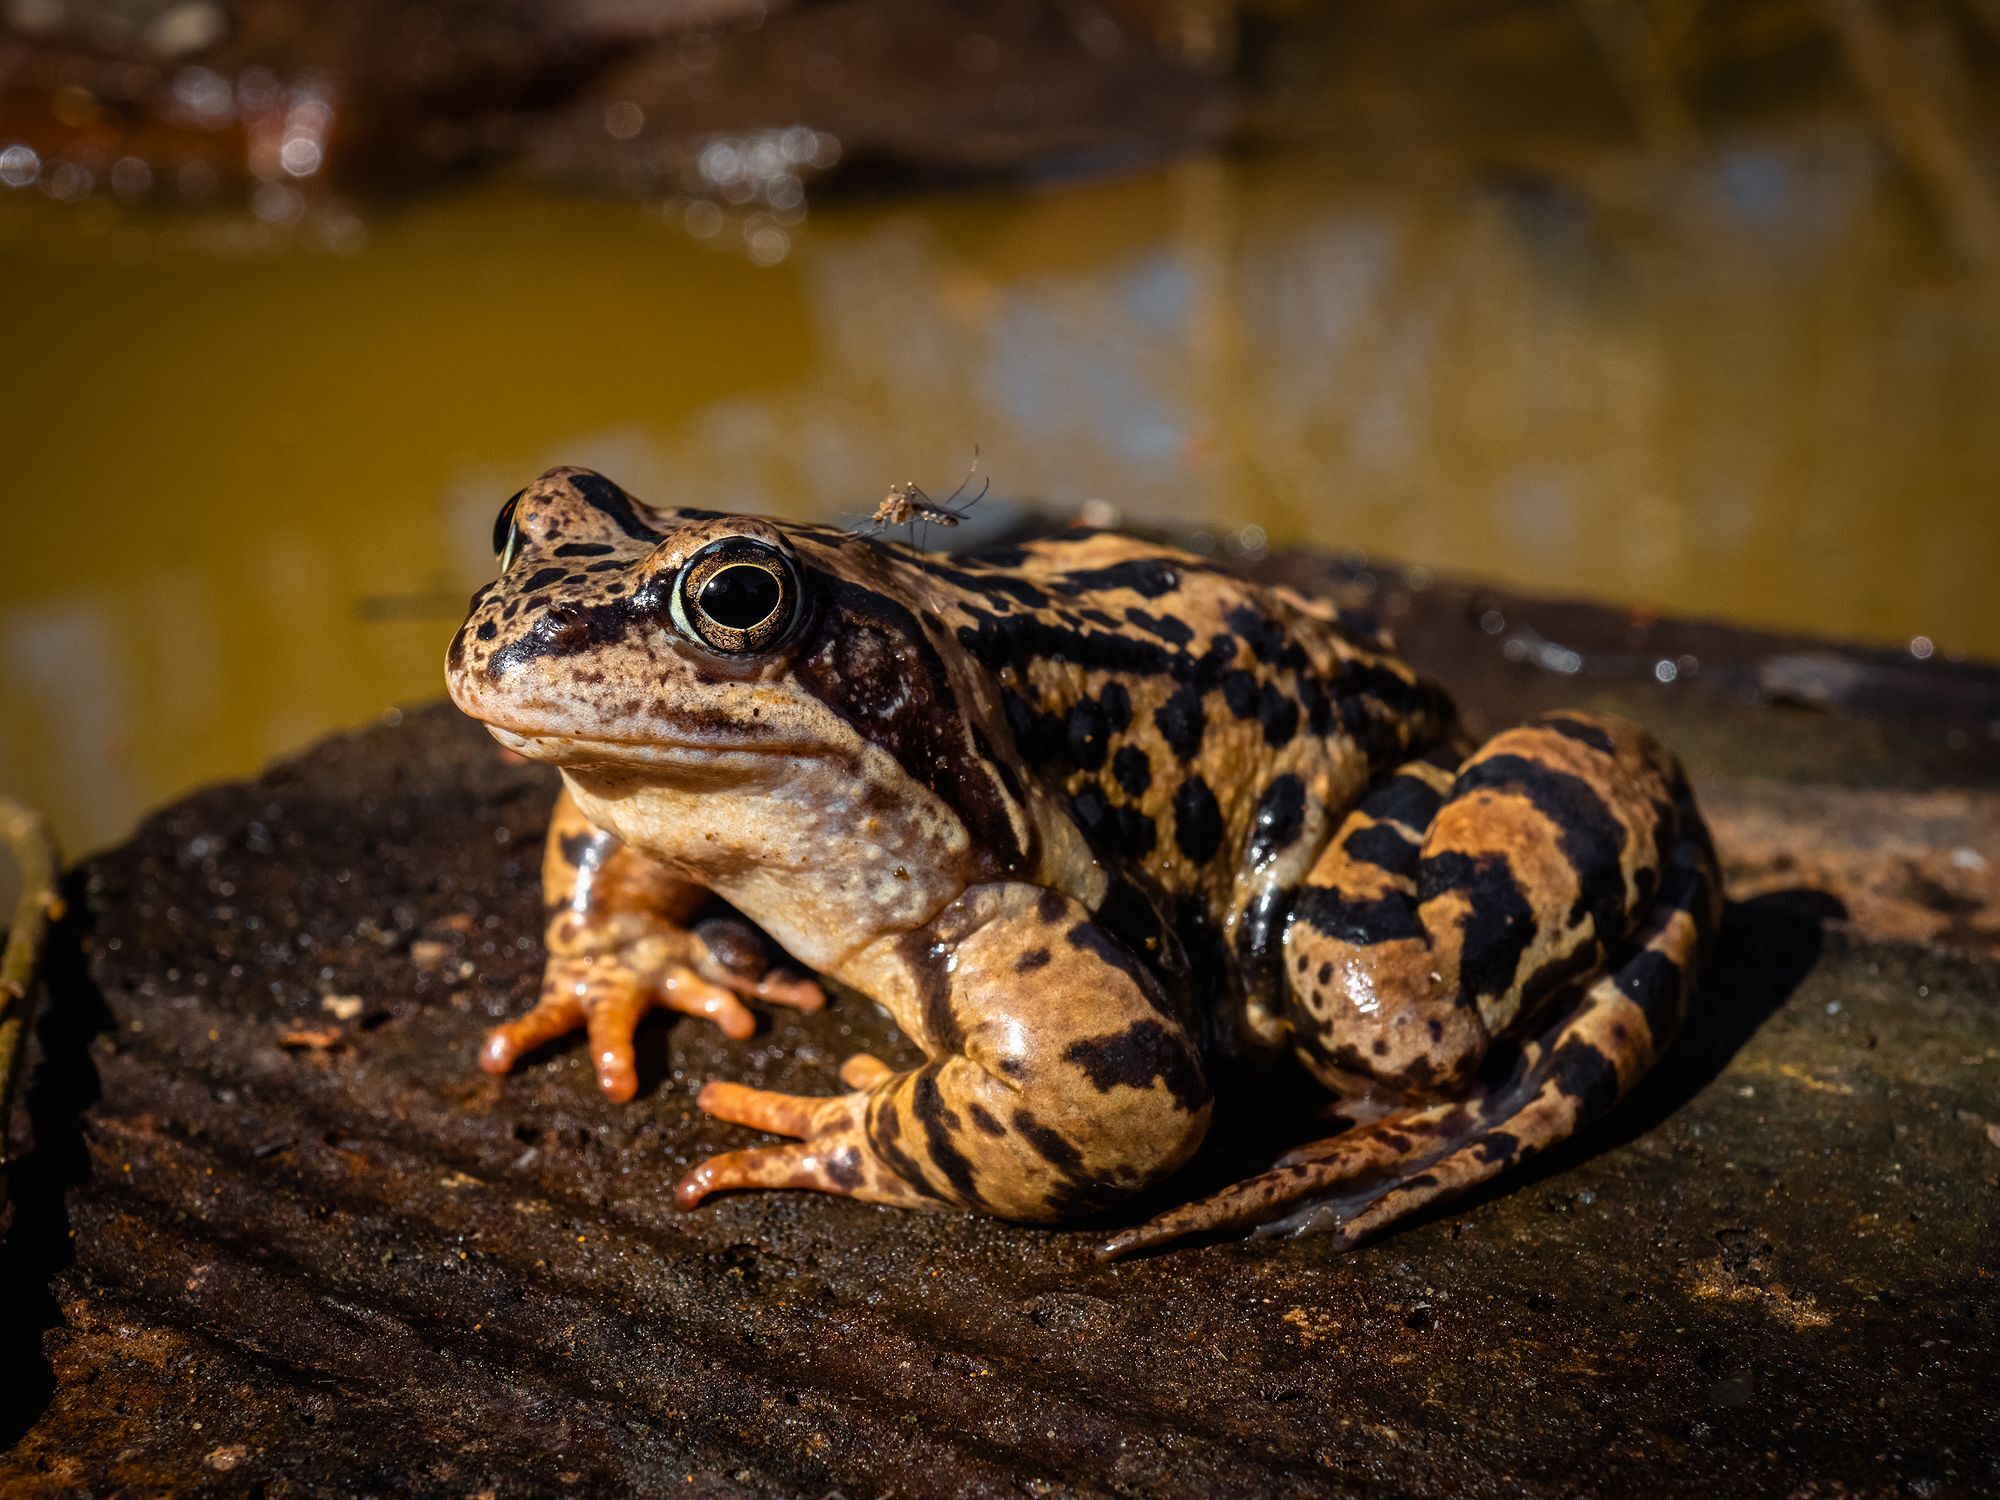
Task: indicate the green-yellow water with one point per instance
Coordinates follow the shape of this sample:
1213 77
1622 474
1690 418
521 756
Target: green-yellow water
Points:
245 492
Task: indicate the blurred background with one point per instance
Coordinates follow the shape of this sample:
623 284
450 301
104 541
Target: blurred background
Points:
1689 305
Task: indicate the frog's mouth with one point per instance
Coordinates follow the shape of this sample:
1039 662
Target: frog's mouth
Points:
689 756
527 746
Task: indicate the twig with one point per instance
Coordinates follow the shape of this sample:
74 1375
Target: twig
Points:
1918 126
27 838
1639 51
1987 12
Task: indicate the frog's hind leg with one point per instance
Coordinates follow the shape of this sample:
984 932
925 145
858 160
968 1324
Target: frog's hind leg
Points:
1060 1075
1528 1099
1422 945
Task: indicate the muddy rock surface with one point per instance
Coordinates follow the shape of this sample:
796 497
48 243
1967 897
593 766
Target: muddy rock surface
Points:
273 1229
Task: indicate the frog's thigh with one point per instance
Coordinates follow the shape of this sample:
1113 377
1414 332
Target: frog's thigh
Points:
1059 1079
1449 904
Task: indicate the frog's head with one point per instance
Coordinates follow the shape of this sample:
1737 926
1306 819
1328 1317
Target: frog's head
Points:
698 650
620 634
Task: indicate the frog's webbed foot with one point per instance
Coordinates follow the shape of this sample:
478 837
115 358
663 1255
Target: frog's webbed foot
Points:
829 1152
620 944
608 994
1333 1190
1528 1099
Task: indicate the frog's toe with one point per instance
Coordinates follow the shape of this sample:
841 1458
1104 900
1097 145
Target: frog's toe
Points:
762 1109
555 1016
792 990
795 1166
731 953
682 989
1332 1183
831 1156
864 1070
613 1020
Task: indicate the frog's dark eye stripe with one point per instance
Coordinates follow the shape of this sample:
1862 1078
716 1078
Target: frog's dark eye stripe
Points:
504 534
614 505
739 595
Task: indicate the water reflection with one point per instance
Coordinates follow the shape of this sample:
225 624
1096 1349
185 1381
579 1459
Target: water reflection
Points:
246 495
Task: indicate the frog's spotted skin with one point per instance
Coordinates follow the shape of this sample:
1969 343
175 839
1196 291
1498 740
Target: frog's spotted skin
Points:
1102 825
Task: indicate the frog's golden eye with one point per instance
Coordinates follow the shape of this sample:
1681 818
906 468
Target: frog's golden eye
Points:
739 595
506 535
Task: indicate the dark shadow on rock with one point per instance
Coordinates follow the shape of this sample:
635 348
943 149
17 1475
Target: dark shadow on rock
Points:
1763 952
62 1085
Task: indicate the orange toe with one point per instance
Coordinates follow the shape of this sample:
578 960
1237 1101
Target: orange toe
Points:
497 1052
829 1166
864 1070
687 992
555 1015
790 990
760 1109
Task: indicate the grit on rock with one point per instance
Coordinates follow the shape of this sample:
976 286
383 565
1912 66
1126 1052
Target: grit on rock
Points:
271 1222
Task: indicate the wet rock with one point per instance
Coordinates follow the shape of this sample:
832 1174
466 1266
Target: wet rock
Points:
363 1265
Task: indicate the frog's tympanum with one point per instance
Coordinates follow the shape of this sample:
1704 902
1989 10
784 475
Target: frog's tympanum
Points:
1105 827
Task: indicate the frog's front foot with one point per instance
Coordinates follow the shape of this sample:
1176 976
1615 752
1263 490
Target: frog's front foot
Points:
707 972
623 938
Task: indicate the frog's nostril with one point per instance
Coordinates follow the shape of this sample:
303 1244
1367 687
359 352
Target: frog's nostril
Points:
565 627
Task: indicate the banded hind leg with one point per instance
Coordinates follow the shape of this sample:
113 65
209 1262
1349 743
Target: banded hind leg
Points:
1494 957
1059 1078
625 936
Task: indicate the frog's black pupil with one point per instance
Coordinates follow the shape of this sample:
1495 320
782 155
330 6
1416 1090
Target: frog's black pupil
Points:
503 525
741 596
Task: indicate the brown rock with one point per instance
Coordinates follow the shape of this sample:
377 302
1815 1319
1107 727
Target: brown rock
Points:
1772 1271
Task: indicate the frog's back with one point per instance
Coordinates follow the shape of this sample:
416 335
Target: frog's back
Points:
1201 728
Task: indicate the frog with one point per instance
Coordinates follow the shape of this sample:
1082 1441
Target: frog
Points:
1108 828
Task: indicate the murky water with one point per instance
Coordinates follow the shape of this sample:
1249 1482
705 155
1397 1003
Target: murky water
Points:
246 492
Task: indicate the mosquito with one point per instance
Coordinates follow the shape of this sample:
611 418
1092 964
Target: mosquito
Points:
909 505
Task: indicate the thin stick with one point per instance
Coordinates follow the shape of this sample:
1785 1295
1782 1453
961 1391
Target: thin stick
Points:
1934 146
1630 36
1988 12
27 838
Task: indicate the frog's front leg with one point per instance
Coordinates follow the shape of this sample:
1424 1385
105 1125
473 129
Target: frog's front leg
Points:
1501 952
1059 1078
620 944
